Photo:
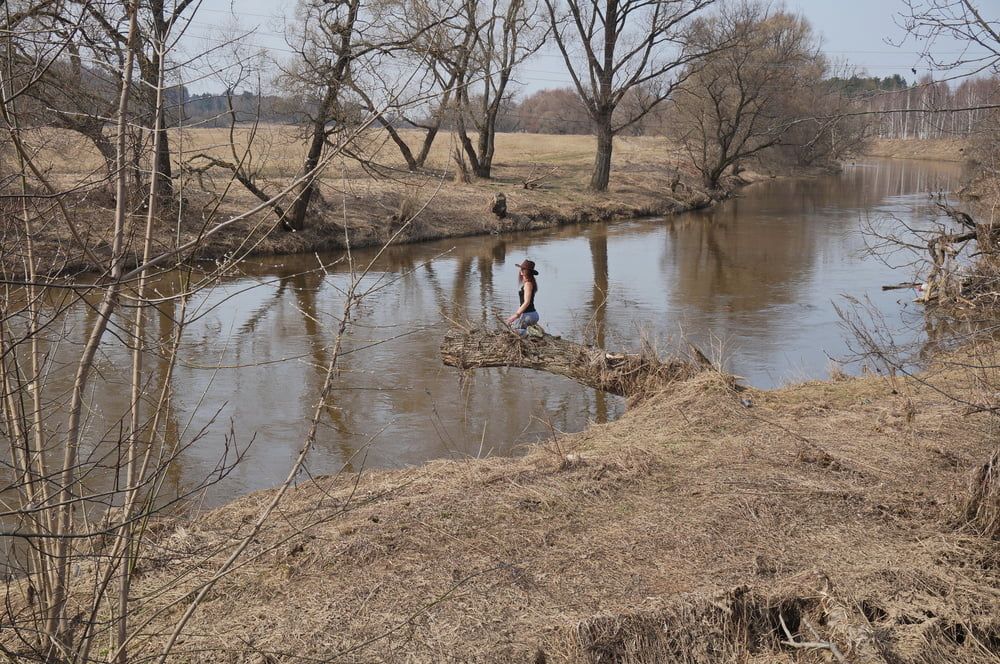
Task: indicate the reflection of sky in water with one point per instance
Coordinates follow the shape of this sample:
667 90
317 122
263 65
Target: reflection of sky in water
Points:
759 272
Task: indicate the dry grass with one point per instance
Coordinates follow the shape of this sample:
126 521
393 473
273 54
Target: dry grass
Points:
982 506
936 149
684 532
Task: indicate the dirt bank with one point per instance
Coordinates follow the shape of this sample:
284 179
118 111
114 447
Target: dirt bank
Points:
684 532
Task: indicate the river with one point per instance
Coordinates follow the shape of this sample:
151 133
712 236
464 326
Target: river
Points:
756 276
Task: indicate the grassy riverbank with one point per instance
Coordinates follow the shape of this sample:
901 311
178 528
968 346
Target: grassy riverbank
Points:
933 149
544 179
684 532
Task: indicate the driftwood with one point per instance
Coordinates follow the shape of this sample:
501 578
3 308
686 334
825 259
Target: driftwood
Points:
909 285
627 375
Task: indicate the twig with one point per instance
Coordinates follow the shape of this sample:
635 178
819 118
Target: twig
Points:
532 180
811 645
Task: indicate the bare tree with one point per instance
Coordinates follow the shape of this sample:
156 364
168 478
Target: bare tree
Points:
431 55
623 44
338 42
77 89
740 100
156 21
494 43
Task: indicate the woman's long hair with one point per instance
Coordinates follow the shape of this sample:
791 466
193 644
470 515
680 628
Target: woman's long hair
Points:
526 276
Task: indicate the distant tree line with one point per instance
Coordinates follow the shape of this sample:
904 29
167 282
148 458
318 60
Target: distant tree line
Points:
923 108
219 110
858 85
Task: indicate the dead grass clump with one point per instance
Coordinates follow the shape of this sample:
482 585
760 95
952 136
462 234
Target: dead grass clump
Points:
837 373
726 627
793 624
813 454
639 376
981 508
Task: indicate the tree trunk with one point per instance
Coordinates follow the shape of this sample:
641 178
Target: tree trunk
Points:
470 149
485 167
482 168
429 137
435 126
335 79
602 160
164 172
404 149
627 375
303 193
148 71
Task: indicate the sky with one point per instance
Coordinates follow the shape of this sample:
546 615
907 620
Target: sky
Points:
862 33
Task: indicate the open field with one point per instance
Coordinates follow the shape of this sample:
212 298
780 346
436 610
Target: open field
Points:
684 532
367 210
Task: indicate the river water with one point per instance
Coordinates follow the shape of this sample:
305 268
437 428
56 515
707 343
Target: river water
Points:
758 275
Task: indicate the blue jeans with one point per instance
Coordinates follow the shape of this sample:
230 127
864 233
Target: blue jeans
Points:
526 319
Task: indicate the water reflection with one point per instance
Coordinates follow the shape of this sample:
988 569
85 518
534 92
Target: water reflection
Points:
759 272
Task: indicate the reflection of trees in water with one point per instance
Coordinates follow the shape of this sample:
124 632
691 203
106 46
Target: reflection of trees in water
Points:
430 291
895 177
166 315
456 306
944 331
305 287
599 304
735 262
484 266
751 252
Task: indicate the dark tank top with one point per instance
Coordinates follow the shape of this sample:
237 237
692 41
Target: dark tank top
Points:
531 302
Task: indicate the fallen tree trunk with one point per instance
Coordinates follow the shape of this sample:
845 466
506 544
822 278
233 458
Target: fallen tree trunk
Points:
627 375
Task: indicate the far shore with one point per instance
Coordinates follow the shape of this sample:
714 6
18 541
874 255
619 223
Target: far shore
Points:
931 149
542 177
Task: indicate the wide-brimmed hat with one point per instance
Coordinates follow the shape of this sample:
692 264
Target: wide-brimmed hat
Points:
529 265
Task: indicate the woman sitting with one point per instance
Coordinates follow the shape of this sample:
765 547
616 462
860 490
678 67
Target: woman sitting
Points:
526 315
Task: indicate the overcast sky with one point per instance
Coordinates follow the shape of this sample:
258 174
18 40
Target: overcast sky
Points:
863 33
